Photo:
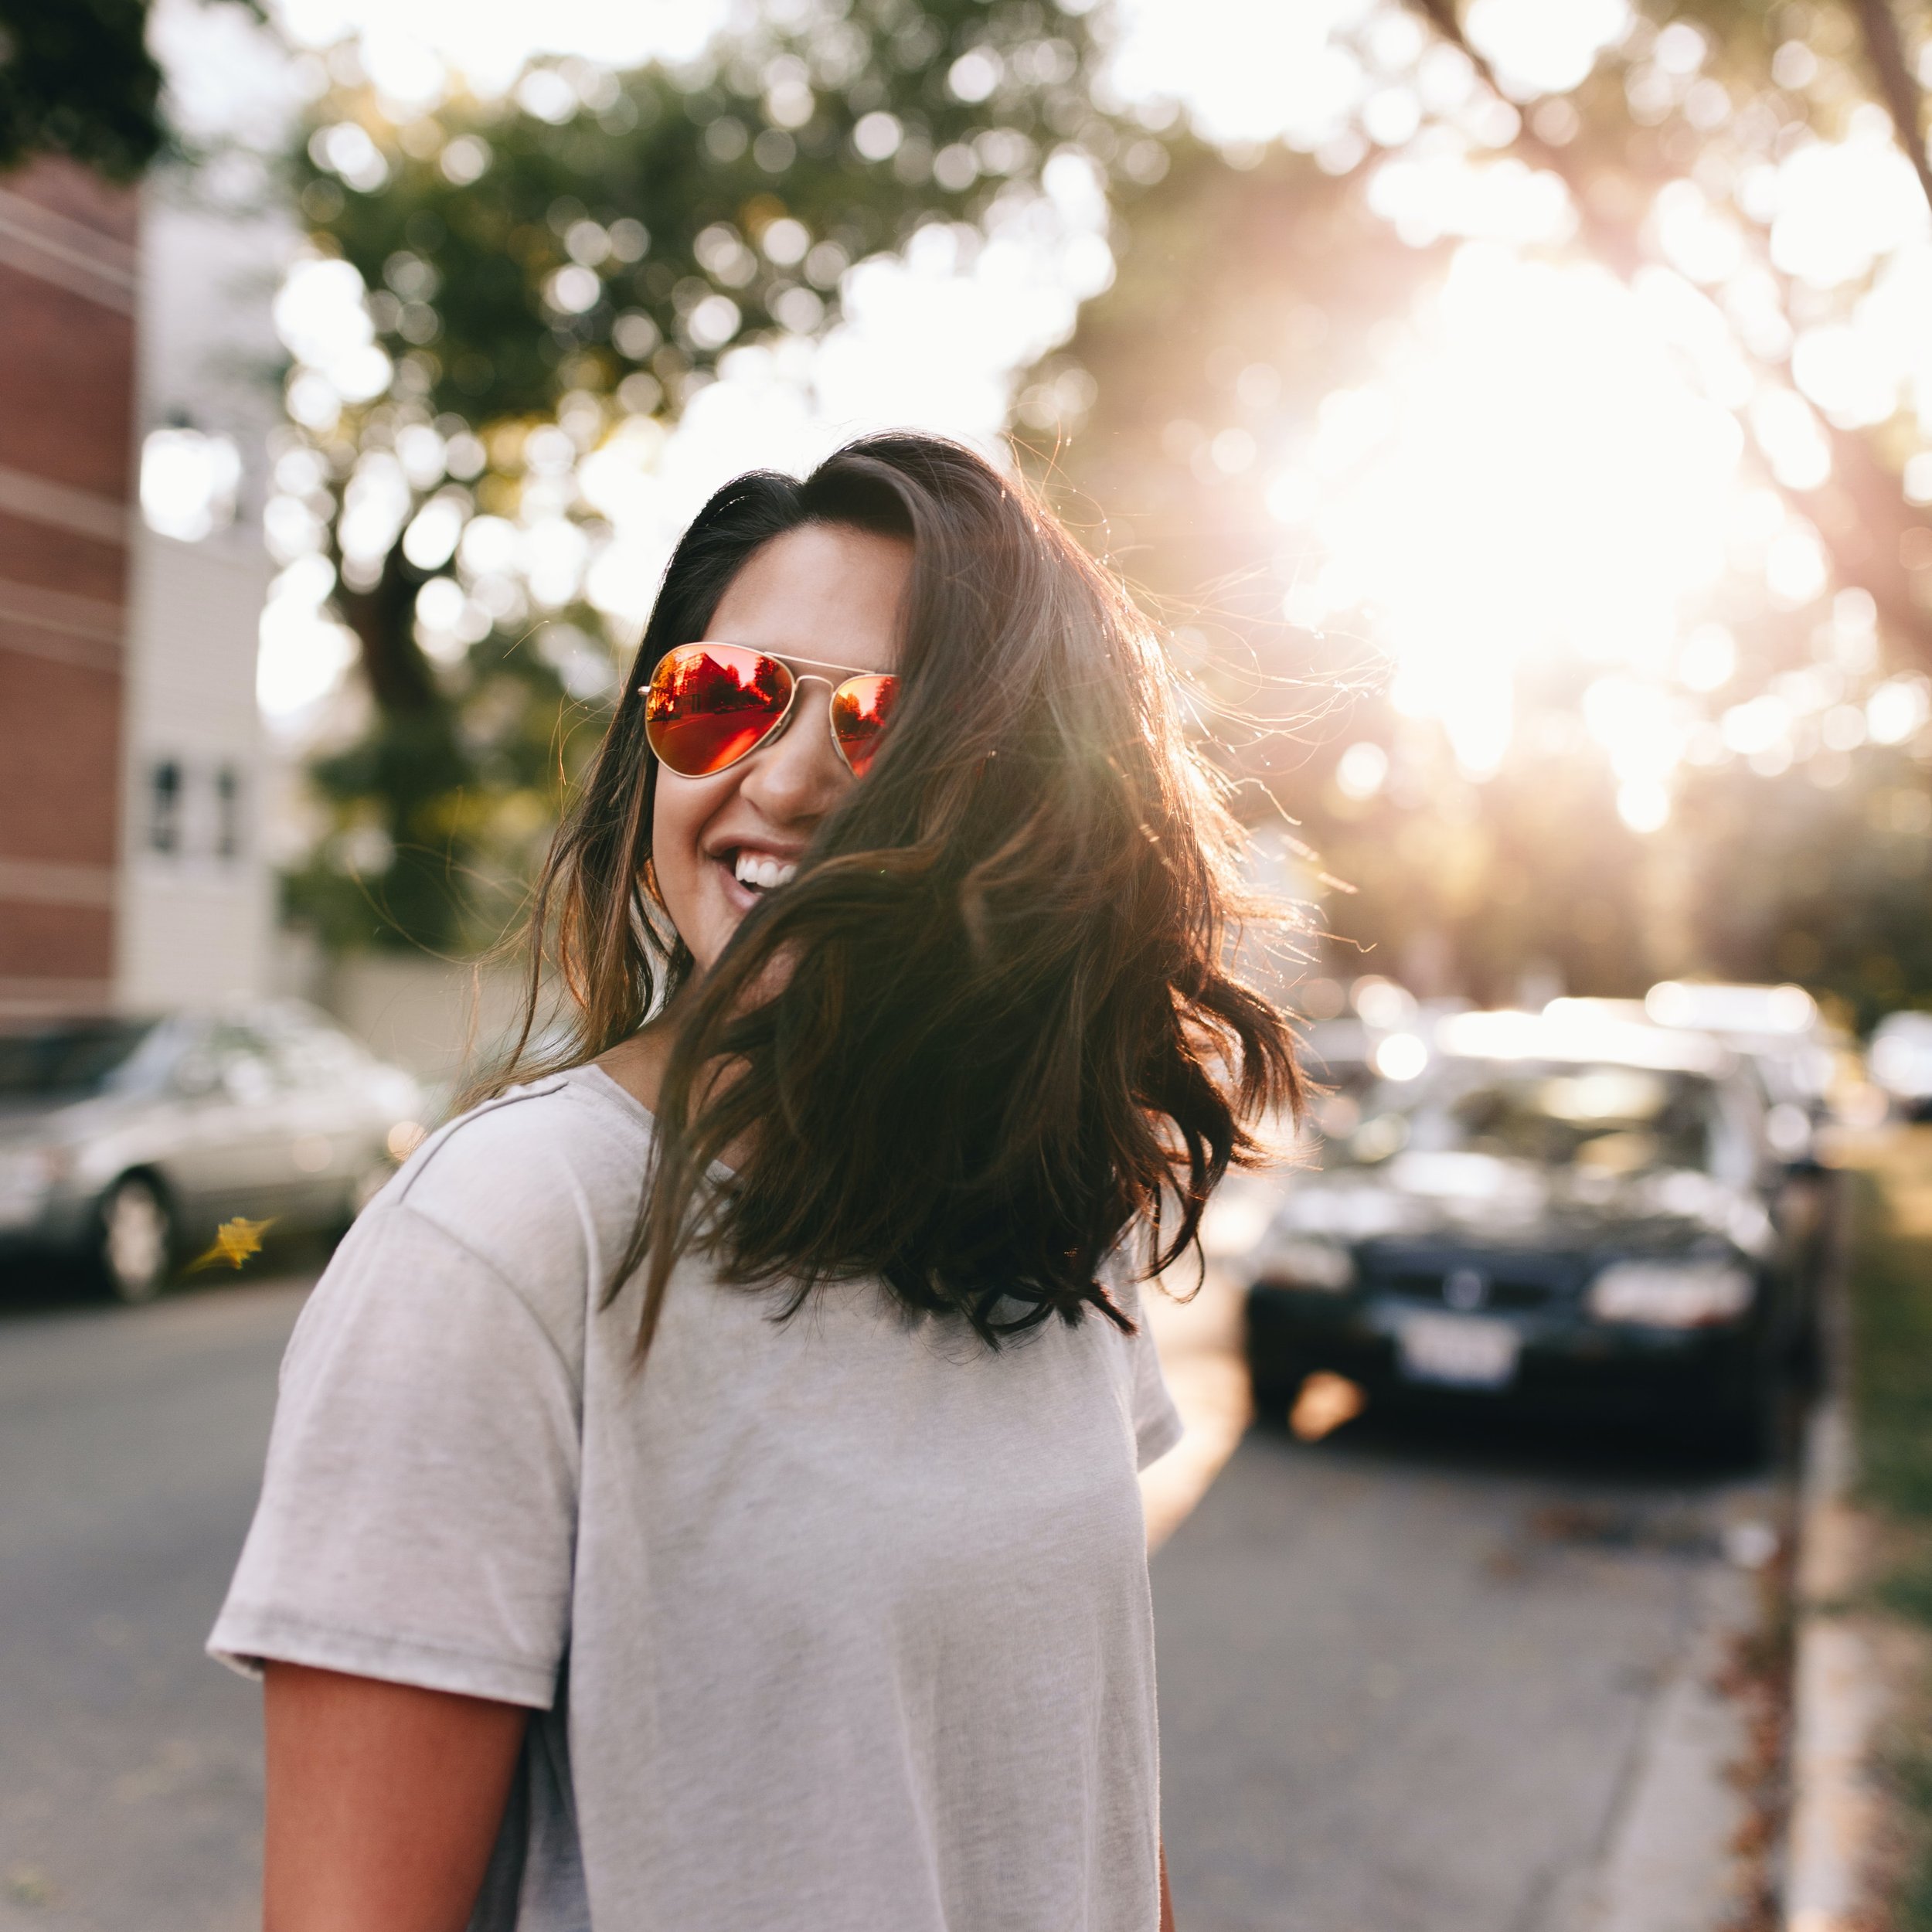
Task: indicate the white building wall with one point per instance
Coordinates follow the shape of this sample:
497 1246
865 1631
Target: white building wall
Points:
197 894
197 905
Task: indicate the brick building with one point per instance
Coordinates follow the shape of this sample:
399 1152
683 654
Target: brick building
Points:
69 276
132 873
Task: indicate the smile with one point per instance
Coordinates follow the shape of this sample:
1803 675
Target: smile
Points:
758 871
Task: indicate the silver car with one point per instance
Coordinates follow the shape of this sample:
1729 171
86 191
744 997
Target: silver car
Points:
126 1143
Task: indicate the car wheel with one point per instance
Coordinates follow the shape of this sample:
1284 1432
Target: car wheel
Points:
136 1240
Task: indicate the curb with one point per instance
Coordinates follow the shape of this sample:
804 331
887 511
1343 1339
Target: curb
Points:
1668 1864
1836 1701
1836 1693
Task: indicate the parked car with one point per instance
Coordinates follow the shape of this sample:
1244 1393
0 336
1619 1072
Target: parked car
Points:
1797 1058
1901 1062
125 1142
1794 1050
1573 1214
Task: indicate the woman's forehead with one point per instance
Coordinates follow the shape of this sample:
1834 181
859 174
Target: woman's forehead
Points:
824 591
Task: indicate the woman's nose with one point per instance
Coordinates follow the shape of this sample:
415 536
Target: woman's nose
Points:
799 774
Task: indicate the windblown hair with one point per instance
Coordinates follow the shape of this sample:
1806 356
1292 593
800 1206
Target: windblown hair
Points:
989 1028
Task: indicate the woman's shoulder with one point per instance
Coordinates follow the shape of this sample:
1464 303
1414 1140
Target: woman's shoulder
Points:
543 1178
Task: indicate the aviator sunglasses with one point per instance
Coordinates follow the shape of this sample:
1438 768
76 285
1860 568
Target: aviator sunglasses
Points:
707 706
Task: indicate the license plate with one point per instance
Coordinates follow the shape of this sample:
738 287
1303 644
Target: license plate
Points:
1463 1351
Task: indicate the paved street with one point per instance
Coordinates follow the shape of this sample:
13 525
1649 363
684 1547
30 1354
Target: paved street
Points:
1410 1684
130 1766
1429 1678
1404 1685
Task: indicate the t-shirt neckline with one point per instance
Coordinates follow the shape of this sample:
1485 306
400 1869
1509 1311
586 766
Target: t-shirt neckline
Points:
631 1104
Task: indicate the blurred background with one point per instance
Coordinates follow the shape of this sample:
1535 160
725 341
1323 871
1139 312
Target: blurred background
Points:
1518 415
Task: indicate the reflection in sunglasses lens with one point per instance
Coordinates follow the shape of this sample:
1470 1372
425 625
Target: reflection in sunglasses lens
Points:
706 708
860 708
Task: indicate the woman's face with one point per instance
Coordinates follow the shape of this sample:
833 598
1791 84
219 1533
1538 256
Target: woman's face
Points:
823 592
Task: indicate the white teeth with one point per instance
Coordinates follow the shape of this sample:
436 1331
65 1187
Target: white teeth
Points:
751 869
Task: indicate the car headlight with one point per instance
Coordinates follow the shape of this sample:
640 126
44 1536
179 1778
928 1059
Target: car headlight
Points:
1305 1261
27 1176
1671 1294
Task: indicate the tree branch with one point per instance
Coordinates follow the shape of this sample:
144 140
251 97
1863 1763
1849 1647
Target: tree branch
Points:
1860 512
399 675
1898 83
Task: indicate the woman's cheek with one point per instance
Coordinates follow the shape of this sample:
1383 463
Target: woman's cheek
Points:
682 810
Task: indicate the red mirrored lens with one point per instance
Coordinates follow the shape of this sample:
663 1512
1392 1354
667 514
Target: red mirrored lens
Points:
860 708
709 704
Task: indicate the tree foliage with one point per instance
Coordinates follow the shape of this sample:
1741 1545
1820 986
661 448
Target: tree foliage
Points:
76 79
547 276
1247 295
545 271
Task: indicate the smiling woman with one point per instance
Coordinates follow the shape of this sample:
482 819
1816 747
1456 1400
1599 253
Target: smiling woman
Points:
723 831
771 1353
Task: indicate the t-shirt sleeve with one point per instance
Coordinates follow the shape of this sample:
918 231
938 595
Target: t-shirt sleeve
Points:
1157 1423
418 1520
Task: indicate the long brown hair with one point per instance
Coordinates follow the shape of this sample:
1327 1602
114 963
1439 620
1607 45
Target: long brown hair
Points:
989 1028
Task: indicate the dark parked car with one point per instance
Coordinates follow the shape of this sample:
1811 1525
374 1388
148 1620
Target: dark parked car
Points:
125 1142
1902 1062
1571 1215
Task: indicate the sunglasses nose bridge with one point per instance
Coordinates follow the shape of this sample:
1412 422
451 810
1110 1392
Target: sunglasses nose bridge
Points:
782 724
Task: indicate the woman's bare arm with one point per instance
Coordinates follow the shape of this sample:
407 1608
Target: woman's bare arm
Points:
384 1802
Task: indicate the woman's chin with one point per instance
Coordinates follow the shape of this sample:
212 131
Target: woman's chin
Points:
725 903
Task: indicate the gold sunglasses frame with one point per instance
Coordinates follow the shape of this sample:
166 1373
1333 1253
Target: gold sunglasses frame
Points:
798 678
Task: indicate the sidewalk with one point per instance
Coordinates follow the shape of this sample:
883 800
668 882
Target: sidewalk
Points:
1856 1826
1199 1341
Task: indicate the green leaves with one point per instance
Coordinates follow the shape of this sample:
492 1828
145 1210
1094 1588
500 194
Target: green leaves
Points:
76 79
711 206
543 273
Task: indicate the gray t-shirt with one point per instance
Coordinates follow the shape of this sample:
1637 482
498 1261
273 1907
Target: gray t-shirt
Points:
838 1624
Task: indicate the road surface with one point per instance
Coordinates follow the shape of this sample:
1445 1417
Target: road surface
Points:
1409 1685
130 1766
1405 1684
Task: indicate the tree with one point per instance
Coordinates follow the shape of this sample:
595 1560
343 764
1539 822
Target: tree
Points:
539 280
1862 515
76 79
1250 298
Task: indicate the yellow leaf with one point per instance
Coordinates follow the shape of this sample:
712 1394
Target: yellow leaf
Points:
235 1241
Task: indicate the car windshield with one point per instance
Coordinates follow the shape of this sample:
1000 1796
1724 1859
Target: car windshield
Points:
68 1061
1599 1118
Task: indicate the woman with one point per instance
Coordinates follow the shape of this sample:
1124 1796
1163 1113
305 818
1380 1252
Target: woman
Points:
702 1493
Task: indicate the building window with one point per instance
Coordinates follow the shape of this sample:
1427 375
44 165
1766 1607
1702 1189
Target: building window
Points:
163 806
228 825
